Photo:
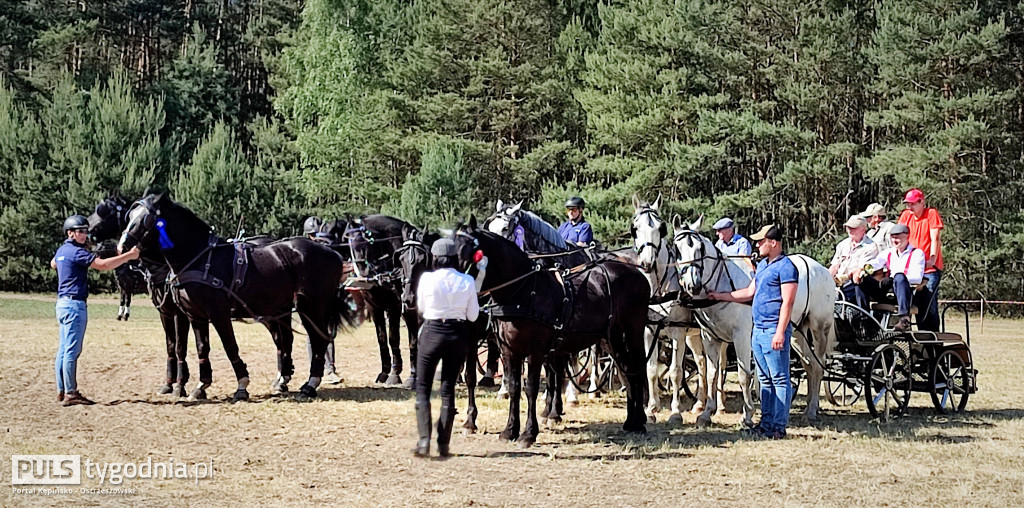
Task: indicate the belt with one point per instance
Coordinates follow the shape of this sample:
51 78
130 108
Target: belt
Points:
72 297
448 320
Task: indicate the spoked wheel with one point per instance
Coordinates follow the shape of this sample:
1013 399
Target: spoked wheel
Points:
481 360
580 369
888 383
845 392
691 376
950 383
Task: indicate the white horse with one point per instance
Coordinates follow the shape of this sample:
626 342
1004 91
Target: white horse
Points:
656 259
704 268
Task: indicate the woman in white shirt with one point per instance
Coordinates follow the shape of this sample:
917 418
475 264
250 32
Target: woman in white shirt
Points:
448 302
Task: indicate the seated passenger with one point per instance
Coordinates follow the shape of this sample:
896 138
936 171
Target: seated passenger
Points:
904 264
729 241
878 227
852 255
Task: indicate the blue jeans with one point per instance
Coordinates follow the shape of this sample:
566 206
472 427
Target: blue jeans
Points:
773 374
72 316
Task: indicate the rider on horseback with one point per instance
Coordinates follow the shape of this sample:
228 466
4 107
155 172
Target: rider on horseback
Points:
576 230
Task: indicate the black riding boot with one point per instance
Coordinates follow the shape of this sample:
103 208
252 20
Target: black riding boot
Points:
423 424
444 429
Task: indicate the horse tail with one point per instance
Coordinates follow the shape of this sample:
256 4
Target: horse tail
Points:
340 314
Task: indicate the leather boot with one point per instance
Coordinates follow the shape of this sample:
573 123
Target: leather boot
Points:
903 324
444 429
423 425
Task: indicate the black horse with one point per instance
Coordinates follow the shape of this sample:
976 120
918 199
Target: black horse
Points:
215 281
374 240
106 223
130 278
536 313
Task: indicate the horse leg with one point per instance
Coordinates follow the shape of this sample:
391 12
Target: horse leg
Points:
696 344
227 338
529 436
814 370
172 360
594 389
315 324
179 323
120 305
282 336
491 367
471 410
555 367
395 343
675 376
380 325
412 327
743 361
127 304
513 376
653 373
714 352
628 352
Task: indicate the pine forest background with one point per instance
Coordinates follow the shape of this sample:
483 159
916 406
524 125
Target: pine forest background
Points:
784 111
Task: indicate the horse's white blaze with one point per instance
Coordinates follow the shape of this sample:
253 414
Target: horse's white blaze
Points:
133 218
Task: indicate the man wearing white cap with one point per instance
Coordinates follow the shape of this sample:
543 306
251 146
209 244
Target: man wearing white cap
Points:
852 255
729 242
878 227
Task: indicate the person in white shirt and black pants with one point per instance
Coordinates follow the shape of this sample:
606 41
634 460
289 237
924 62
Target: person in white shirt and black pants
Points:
448 301
905 266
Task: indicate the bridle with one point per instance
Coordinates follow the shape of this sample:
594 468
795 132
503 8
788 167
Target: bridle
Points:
414 248
697 264
639 249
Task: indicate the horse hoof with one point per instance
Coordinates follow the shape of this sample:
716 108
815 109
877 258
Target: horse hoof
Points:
165 389
197 394
119 317
507 437
634 428
503 395
652 419
703 422
240 395
307 392
410 383
486 382
595 395
553 421
675 418
126 317
469 428
281 389
179 390
393 380
381 378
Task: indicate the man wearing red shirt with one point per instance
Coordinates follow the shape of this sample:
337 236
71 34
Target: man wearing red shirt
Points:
925 224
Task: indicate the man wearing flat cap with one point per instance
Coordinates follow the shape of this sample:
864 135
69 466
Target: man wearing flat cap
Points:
904 265
852 254
878 227
730 242
771 293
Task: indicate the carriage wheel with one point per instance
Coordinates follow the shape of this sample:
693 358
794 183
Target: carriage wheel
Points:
579 372
888 383
950 383
481 362
845 392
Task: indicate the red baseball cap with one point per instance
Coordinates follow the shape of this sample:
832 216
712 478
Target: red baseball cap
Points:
913 196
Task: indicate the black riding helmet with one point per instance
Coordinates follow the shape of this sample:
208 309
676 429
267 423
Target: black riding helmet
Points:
75 222
312 225
575 202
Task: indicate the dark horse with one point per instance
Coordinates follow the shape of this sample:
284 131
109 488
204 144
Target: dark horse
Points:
215 281
106 223
537 314
374 240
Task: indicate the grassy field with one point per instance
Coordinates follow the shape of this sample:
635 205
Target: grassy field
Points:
352 446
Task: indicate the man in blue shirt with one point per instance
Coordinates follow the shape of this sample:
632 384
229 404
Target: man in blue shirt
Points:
576 231
729 242
773 291
72 262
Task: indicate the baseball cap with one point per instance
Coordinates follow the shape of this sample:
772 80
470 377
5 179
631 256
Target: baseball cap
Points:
770 232
856 221
913 196
872 210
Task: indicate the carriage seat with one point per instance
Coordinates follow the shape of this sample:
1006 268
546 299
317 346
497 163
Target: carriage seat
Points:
891 308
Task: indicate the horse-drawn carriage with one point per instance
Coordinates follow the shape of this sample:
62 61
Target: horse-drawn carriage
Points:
886 365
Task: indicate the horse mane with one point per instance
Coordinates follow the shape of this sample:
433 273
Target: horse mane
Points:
188 215
551 242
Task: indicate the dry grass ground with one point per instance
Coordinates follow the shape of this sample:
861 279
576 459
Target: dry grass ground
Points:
352 447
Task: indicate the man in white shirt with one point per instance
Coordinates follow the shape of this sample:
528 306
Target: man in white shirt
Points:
730 242
448 301
852 255
905 266
878 227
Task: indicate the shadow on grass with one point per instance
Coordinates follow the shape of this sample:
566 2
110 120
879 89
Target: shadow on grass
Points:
366 393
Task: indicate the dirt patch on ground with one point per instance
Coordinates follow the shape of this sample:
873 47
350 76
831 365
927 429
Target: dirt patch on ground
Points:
352 447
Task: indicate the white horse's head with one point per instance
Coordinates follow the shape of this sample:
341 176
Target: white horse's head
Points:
694 252
502 222
648 231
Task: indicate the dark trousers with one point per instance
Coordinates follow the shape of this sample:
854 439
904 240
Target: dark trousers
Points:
446 343
900 286
854 293
928 302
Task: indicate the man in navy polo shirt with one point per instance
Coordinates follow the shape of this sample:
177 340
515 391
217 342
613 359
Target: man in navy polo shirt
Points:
72 261
576 231
773 292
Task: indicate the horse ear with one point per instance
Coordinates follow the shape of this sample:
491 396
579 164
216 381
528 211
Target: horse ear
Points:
471 224
407 231
636 202
697 224
500 206
677 222
657 203
518 206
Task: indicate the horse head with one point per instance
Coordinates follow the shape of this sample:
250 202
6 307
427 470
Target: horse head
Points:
488 257
695 251
414 259
142 223
109 218
648 232
373 240
505 219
